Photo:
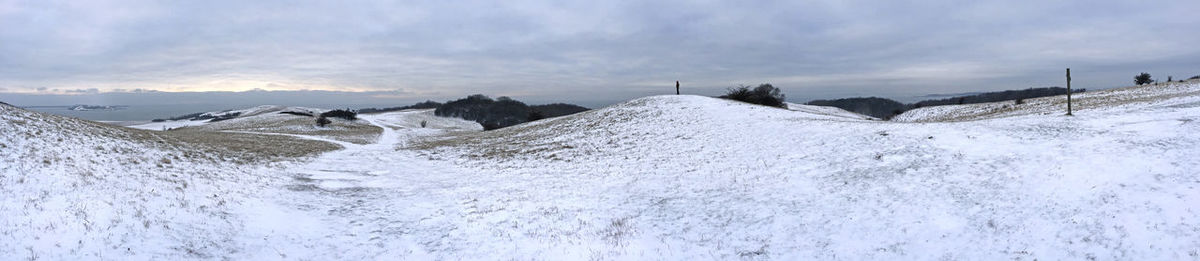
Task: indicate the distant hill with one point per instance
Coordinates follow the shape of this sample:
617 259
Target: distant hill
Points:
886 108
419 105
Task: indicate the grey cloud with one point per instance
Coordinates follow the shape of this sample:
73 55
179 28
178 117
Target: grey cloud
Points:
597 49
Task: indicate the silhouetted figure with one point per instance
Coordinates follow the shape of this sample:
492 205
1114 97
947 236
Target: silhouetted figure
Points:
676 87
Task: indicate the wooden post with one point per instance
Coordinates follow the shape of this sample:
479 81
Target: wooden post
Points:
676 87
1068 91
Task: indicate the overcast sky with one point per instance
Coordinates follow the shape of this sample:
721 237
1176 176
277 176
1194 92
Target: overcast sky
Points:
589 52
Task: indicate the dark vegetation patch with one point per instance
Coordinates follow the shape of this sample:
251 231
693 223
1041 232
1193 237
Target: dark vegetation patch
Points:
190 117
503 111
555 110
297 113
340 113
886 108
1142 78
322 121
764 94
200 116
221 117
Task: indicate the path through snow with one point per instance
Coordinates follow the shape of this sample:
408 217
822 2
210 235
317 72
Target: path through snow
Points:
371 198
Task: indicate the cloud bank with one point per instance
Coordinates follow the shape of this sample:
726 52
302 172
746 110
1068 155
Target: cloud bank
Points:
598 50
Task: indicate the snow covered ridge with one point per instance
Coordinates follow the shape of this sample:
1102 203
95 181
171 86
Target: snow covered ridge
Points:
1127 98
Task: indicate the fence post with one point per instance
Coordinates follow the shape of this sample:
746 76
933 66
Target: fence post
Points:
1068 91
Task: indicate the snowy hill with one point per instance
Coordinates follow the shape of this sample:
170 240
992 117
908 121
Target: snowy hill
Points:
693 177
272 119
1104 101
663 177
75 189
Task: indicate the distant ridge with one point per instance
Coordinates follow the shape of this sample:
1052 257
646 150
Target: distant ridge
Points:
884 108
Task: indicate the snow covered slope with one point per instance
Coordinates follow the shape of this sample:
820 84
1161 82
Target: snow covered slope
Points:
207 117
663 177
74 189
689 177
828 111
1105 101
271 119
412 119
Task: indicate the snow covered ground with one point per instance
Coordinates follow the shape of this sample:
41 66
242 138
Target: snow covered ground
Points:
663 177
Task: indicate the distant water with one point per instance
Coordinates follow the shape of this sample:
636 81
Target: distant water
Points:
150 112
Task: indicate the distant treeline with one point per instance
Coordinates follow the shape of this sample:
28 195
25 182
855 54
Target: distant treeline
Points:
873 106
199 116
886 108
503 111
419 105
998 96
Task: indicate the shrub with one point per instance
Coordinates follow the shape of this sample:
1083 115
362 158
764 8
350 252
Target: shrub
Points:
764 94
1143 78
1019 101
741 93
339 113
322 121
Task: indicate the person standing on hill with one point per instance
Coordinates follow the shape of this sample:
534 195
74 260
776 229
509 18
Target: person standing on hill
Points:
676 87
